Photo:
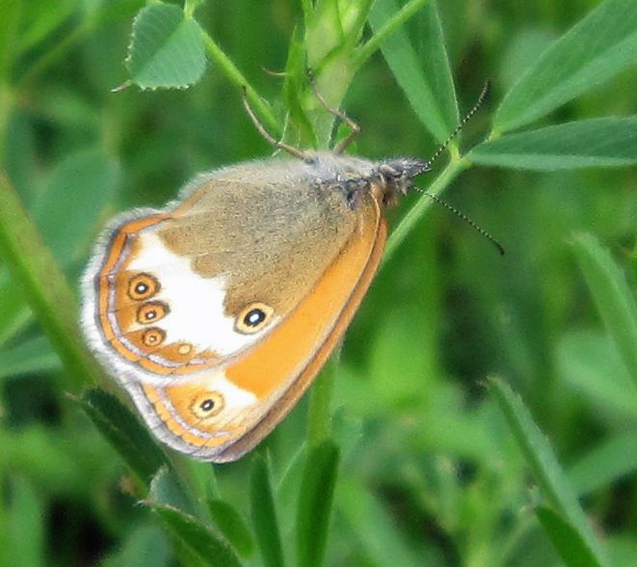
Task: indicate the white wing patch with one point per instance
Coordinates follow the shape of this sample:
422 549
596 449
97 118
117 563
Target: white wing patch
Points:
196 304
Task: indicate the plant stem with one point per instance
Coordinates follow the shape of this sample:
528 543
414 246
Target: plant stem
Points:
236 77
44 285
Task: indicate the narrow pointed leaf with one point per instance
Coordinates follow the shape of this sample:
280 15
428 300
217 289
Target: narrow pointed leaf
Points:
602 142
232 525
197 536
166 49
125 433
427 84
544 466
613 297
571 547
595 50
263 512
315 504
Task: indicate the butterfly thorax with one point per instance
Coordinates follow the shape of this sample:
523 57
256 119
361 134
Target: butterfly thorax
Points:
386 180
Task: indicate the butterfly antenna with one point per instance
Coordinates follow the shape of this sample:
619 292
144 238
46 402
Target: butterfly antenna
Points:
465 218
442 147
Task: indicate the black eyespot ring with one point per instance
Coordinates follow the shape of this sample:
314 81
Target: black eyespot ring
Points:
151 312
253 318
142 286
207 404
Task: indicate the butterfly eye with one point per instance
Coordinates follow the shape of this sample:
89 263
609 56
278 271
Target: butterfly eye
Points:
142 286
253 318
207 405
151 312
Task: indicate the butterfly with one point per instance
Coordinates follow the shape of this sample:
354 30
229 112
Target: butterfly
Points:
216 312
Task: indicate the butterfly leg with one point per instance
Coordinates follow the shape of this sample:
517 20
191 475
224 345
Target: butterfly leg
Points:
269 137
354 128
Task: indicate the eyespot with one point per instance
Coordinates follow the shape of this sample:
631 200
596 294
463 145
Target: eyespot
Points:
151 312
142 286
253 318
207 405
153 337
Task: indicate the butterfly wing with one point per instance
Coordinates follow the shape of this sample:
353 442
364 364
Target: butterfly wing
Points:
231 408
217 312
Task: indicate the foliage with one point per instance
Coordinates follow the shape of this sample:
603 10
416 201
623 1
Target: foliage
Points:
399 457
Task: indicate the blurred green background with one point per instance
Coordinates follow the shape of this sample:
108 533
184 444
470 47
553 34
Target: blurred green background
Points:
429 473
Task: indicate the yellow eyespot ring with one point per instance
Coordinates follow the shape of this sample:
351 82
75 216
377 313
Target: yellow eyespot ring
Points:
153 337
207 405
142 286
253 318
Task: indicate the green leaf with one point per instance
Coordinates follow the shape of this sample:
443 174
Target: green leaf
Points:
591 53
543 463
85 181
30 356
166 49
232 525
601 142
263 514
427 83
315 504
589 361
613 297
610 461
125 433
197 536
568 542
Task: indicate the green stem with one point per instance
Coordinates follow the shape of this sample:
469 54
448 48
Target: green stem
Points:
414 216
368 49
320 412
49 295
236 77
